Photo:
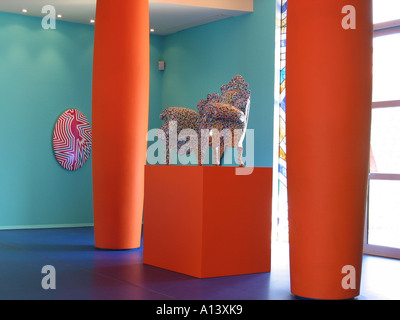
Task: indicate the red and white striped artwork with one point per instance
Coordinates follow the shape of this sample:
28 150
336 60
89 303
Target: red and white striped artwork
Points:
72 139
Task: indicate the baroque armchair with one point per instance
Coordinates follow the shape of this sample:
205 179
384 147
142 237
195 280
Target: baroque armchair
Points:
220 122
225 118
177 119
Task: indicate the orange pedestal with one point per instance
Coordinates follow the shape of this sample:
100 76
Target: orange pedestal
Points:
329 89
207 221
120 117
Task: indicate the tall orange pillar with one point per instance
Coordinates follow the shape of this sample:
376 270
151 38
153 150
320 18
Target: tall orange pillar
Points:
329 89
120 119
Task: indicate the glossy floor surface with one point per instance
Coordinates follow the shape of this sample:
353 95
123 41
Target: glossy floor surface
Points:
83 272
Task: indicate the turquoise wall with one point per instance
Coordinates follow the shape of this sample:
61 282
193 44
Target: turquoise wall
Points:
201 59
45 72
42 74
156 81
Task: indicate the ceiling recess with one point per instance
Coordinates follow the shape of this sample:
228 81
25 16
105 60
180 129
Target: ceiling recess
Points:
166 16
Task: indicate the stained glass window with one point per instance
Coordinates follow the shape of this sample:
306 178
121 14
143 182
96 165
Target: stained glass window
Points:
282 171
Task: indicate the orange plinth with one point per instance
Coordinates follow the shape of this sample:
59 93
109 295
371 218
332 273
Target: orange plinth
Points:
120 117
207 221
329 89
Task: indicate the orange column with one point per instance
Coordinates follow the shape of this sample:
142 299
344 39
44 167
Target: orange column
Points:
329 89
120 120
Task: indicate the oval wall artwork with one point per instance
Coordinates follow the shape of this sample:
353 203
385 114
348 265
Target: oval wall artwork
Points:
72 139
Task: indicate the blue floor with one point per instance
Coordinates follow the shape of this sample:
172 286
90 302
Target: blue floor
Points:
86 273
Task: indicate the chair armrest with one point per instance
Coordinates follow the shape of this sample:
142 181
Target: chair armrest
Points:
223 111
185 118
179 114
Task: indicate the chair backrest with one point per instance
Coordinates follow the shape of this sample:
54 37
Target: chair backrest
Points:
211 99
236 93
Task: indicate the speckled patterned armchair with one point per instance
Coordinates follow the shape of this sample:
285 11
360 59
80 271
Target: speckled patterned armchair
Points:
182 118
225 116
220 118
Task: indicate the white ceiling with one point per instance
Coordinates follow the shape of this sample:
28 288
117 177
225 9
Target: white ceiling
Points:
165 18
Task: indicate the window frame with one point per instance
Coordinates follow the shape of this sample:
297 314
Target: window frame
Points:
382 29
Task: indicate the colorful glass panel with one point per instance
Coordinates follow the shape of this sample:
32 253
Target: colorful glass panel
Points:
282 98
282 168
